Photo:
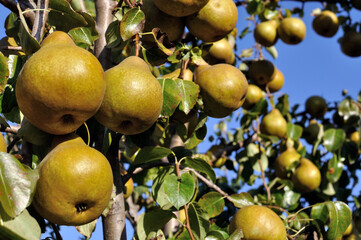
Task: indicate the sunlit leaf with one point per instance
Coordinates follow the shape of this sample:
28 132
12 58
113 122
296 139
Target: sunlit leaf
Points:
213 203
150 154
179 190
132 23
335 169
294 131
241 200
200 165
171 96
199 221
87 229
333 139
189 92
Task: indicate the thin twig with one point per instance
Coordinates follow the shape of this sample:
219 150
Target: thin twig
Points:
56 231
264 181
136 44
188 225
12 144
17 48
184 65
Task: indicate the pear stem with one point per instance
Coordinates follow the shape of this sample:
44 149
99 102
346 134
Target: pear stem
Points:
130 4
136 44
184 65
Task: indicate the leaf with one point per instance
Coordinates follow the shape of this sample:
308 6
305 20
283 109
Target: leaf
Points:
23 227
28 43
294 131
132 23
189 92
236 235
246 53
152 221
333 139
64 17
34 135
335 169
217 235
213 203
85 35
348 108
15 188
150 154
112 35
199 221
337 213
197 137
87 229
241 200
4 72
171 96
179 190
158 192
273 51
200 165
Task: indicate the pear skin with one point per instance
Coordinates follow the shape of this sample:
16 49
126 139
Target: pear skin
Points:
180 8
274 124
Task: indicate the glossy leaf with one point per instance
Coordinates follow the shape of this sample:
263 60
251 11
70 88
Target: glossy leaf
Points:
23 227
333 139
179 190
15 187
4 72
158 191
241 200
273 51
294 131
28 43
335 169
150 154
189 94
200 165
152 221
197 137
348 108
199 221
217 235
33 134
64 17
132 23
171 96
213 203
112 35
85 35
87 229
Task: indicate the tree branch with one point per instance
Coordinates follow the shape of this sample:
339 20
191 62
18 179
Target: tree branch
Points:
40 19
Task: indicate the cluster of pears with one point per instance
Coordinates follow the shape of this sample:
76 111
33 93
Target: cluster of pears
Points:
258 222
208 20
290 30
306 177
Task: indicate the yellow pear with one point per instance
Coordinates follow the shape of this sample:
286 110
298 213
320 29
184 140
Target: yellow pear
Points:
68 191
222 87
262 72
3 144
274 124
154 18
258 222
214 21
326 24
70 138
276 82
60 86
220 52
292 30
355 137
307 177
133 99
265 33
180 8
254 94
285 160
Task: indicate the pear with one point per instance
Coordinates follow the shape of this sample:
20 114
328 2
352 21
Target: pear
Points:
180 8
316 106
292 30
187 74
262 72
274 124
154 18
285 160
326 24
310 133
350 44
258 222
214 21
254 94
265 33
222 87
68 192
276 82
220 52
70 138
60 86
307 177
3 144
133 99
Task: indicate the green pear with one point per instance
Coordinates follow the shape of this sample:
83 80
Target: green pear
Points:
307 177
274 124
60 86
285 160
222 87
254 94
180 8
262 72
187 74
265 33
220 52
133 99
214 21
154 18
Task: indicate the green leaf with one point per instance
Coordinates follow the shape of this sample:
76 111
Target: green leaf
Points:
87 229
348 108
335 169
112 35
85 35
272 51
254 7
171 96
217 235
199 221
132 23
179 190
241 200
294 131
4 72
270 13
150 154
236 235
197 137
200 165
34 135
213 203
189 94
23 227
28 43
152 221
64 17
11 25
15 187
337 215
333 139
158 192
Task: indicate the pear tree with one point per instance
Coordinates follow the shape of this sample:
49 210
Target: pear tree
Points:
104 105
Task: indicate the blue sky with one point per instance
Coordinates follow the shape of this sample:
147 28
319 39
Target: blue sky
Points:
316 66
